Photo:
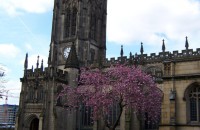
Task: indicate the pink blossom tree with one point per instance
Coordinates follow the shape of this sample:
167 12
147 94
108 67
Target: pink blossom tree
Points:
128 87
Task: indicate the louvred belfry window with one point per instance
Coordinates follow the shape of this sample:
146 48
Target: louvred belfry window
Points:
74 17
67 23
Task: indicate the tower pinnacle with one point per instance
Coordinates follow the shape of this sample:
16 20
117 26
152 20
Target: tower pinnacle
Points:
122 51
142 49
186 43
163 46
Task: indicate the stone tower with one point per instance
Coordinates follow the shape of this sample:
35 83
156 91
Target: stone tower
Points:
82 22
78 39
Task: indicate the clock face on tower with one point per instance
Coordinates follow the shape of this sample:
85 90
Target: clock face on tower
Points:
66 52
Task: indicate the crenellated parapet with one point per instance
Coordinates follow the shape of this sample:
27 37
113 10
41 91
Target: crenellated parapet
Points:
160 65
36 72
184 55
141 59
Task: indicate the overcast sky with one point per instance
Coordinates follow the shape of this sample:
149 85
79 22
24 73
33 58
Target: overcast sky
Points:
25 26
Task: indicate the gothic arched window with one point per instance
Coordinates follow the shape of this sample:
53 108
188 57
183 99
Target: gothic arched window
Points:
86 116
192 97
74 17
113 114
30 96
67 23
70 22
40 93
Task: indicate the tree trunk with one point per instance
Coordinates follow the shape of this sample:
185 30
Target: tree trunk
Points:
118 119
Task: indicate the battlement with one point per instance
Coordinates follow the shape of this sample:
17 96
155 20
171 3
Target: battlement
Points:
184 55
31 73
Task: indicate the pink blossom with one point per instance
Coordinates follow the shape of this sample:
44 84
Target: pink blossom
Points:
129 87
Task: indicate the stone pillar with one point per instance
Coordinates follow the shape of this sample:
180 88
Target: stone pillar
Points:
40 123
135 122
51 120
72 114
128 119
172 98
16 123
122 121
95 126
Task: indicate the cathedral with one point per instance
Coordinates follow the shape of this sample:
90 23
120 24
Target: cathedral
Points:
78 39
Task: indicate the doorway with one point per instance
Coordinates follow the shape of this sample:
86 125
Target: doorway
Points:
34 124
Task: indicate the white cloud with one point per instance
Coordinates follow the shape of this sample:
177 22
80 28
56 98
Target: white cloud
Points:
9 50
14 7
149 21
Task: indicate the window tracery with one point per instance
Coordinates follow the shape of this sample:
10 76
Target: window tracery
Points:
67 23
35 94
70 22
113 113
192 97
86 116
74 17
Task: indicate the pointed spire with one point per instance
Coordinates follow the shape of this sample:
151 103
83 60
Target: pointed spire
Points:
163 46
72 59
141 49
186 43
37 64
122 51
26 61
136 60
32 68
42 65
130 55
130 59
